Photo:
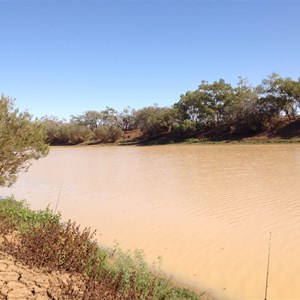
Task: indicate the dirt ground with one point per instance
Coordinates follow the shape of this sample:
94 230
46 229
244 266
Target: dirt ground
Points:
18 282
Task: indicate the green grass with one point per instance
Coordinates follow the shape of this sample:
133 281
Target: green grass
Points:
44 241
21 217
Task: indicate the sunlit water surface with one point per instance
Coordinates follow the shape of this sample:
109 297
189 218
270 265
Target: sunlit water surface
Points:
206 209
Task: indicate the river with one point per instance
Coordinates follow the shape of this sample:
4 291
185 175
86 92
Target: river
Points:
208 210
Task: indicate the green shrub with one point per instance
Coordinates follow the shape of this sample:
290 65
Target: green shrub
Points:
107 134
21 216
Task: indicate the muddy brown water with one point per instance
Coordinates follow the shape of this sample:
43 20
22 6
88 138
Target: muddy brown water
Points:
206 209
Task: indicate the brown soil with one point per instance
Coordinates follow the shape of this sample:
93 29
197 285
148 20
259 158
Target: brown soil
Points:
284 130
131 136
20 282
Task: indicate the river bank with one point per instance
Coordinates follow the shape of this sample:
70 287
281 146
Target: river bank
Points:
283 131
47 259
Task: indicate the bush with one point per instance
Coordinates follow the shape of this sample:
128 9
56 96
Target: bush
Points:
107 134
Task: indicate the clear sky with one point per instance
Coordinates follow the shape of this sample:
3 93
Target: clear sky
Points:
65 57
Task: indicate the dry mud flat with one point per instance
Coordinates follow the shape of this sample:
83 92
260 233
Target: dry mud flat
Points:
20 282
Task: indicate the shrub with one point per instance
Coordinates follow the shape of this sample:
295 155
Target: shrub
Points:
107 134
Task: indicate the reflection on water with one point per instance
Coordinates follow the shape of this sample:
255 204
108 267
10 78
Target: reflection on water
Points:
206 209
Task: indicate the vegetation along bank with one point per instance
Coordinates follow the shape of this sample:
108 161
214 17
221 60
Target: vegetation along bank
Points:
68 263
214 111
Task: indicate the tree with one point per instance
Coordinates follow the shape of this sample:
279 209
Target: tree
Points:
127 118
207 105
90 118
280 95
244 114
60 132
154 120
192 106
21 140
94 119
217 97
110 117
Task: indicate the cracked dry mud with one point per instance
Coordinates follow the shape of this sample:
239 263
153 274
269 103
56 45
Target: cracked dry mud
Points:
20 282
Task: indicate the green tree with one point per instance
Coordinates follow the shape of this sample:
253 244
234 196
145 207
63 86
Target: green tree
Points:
110 117
21 140
127 119
91 119
154 120
207 105
217 97
192 107
280 95
243 114
94 119
60 132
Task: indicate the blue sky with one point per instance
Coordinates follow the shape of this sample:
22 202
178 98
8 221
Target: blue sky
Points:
65 57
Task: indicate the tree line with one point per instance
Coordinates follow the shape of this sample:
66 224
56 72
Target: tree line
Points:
215 107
